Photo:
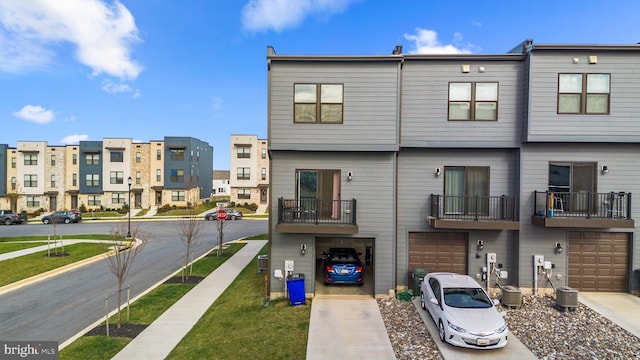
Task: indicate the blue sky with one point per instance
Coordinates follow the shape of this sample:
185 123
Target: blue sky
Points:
86 69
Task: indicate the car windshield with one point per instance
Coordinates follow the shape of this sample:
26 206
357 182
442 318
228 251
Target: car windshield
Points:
470 298
343 258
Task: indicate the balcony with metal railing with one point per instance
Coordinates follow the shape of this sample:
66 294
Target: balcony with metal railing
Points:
474 212
310 215
582 209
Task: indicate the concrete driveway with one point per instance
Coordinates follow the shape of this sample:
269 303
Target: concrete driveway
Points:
514 349
622 309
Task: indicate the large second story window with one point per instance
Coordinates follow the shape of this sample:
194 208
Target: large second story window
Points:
117 177
30 180
176 154
243 152
583 93
466 190
177 175
473 101
92 180
318 103
31 159
117 156
243 173
92 158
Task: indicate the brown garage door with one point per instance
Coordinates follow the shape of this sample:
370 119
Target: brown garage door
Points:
598 261
438 251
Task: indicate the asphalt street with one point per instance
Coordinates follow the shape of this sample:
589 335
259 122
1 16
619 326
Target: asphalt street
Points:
58 308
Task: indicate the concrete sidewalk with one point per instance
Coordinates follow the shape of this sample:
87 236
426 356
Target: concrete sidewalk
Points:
347 329
159 338
622 309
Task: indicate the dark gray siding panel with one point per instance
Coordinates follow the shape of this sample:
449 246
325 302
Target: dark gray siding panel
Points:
624 171
370 112
201 162
90 147
3 169
372 187
425 91
621 125
416 181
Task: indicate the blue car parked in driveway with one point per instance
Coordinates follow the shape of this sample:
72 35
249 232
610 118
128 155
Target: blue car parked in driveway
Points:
343 266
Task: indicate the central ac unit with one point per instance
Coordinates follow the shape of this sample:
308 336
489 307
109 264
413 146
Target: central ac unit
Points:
566 298
511 297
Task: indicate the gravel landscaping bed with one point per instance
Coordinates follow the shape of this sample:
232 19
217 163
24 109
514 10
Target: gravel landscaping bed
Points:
547 332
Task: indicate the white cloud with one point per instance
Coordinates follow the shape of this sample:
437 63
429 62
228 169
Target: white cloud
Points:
426 42
278 15
36 114
101 33
74 139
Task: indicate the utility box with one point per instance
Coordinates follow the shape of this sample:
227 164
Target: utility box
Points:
511 297
417 275
263 263
566 298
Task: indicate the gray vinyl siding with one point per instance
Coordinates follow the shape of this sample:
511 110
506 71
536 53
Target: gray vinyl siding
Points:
416 182
90 147
425 101
370 110
3 169
621 125
624 171
373 188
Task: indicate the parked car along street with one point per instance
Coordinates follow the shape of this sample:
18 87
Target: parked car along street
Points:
231 215
8 217
462 311
343 266
63 216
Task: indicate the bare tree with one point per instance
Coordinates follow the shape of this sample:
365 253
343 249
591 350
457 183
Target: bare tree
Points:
189 230
220 225
123 255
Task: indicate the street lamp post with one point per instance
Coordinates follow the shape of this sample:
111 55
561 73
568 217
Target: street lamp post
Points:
129 203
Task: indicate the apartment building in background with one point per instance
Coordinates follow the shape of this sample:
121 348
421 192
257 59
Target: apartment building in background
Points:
95 174
249 171
221 183
515 168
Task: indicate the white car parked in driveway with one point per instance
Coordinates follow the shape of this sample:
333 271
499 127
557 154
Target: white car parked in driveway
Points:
462 311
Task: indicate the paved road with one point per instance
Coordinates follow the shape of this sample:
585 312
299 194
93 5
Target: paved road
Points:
56 309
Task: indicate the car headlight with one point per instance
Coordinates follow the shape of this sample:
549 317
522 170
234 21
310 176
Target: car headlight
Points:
455 327
501 329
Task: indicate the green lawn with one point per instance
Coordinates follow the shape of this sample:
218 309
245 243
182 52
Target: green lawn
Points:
40 237
9 247
33 264
101 214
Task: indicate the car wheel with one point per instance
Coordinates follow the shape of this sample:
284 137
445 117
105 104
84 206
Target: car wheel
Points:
46 221
423 301
7 221
441 331
66 221
233 217
210 217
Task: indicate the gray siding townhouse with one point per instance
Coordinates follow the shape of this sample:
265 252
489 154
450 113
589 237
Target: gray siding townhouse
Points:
515 168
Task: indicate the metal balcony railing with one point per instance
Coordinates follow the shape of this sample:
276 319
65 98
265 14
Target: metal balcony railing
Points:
479 208
582 204
316 211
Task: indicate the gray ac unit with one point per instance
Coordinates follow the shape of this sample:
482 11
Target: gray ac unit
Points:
566 298
511 297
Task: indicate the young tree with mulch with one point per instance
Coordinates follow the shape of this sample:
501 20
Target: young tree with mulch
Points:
189 230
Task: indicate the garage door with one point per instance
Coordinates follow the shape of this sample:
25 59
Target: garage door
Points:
598 261
438 251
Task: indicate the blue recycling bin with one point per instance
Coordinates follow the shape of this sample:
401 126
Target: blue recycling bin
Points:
295 285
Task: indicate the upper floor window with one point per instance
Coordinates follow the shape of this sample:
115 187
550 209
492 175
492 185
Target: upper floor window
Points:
31 159
158 175
117 156
117 177
138 157
13 183
53 181
74 159
264 153
30 180
318 103
244 173
177 175
243 152
176 154
159 155
13 162
466 190
53 160
138 177
264 173
92 180
75 180
473 101
584 93
92 158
